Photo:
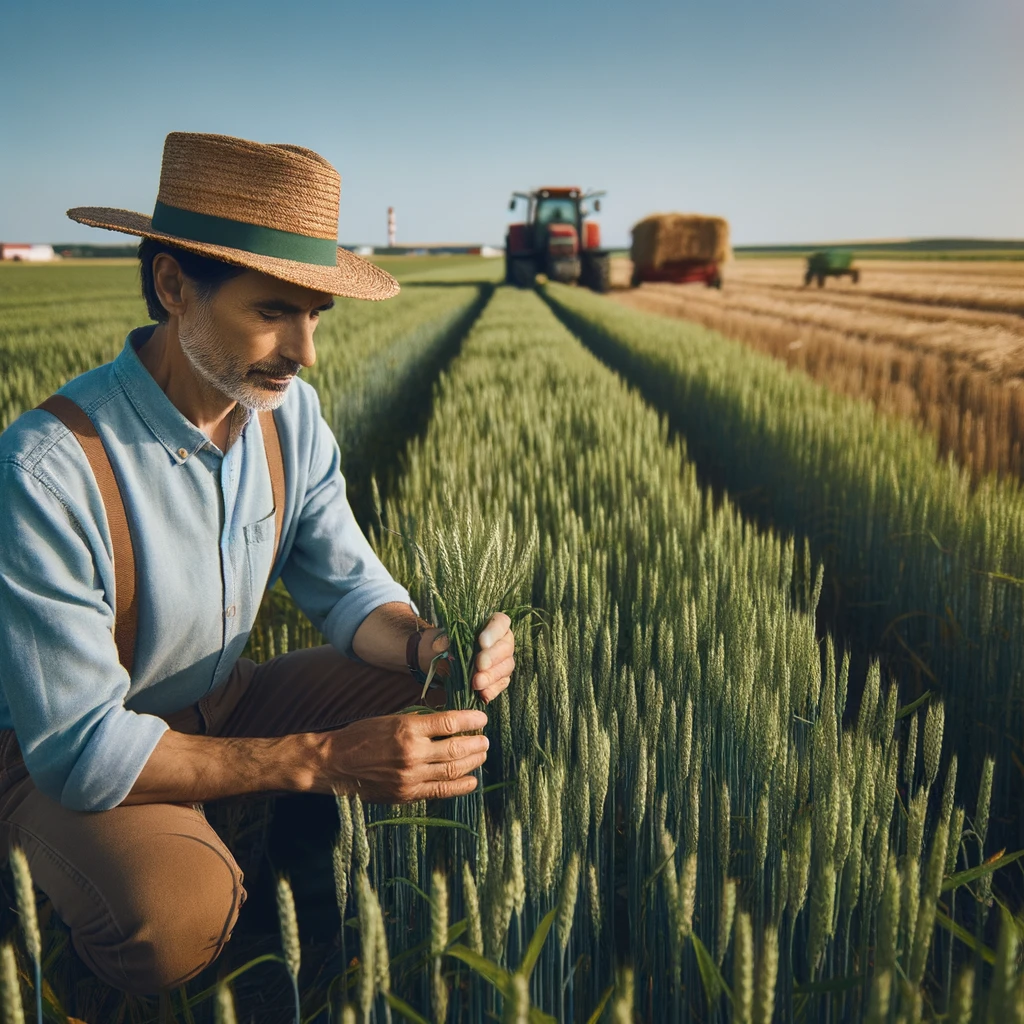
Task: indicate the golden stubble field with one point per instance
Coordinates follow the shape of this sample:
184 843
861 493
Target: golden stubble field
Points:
970 312
941 342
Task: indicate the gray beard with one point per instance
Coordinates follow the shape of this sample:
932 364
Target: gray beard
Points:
221 371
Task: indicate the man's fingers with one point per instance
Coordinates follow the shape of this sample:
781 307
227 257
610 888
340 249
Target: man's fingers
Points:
451 770
500 650
461 746
448 723
495 629
445 790
484 679
492 691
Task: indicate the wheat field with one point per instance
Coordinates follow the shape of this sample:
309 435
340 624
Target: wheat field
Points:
699 805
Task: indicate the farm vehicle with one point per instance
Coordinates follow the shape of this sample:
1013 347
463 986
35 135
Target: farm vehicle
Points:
557 240
830 263
679 248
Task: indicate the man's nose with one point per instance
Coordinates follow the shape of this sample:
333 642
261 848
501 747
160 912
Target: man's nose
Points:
299 347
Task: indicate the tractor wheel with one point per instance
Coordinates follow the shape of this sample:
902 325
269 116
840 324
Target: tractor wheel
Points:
821 280
715 282
524 273
635 279
808 278
855 276
598 274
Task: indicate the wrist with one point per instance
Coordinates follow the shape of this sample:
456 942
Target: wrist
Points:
299 765
433 642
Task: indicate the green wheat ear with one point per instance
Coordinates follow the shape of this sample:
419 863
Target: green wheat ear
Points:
26 900
289 926
13 1009
225 1005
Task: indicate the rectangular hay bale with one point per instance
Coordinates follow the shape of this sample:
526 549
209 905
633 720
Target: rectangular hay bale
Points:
665 238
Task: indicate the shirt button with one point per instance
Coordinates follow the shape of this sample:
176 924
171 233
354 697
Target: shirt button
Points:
182 453
229 612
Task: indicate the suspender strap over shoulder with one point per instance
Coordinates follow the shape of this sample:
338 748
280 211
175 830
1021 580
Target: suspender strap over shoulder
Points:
275 463
126 612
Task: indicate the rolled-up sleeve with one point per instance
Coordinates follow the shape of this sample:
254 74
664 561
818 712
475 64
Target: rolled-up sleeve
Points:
59 668
331 571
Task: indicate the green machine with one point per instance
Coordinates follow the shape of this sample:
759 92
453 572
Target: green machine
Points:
830 263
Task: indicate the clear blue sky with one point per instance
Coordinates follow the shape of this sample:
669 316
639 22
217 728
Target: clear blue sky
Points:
796 119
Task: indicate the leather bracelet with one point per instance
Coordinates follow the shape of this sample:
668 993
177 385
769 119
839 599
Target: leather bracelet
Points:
412 654
442 665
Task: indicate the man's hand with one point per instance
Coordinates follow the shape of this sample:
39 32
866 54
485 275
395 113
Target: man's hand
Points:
401 758
496 660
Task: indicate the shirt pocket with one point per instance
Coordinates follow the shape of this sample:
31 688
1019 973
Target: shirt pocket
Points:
259 551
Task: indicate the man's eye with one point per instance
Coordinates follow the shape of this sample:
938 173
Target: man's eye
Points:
268 316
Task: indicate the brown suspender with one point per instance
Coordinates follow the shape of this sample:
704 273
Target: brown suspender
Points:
126 615
275 463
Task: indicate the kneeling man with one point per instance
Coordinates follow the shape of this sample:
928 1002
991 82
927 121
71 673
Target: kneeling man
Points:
146 507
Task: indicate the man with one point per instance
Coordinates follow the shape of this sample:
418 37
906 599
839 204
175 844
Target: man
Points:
124 699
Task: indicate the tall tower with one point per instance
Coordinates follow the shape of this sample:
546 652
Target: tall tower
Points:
391 227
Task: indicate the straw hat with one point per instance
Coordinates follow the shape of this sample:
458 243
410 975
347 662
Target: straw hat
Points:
272 208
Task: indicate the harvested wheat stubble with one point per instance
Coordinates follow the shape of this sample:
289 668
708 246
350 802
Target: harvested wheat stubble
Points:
852 297
995 287
671 237
1000 272
955 372
990 342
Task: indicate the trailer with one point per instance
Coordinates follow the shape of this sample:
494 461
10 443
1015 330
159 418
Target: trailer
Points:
830 263
680 248
679 272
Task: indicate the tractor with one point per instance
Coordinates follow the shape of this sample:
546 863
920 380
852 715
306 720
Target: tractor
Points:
557 240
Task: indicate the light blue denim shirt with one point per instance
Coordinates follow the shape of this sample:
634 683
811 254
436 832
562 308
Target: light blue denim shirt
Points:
202 527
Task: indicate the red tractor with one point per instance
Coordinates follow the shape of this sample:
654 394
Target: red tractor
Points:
557 240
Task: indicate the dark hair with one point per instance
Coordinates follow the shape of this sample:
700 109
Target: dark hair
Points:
207 274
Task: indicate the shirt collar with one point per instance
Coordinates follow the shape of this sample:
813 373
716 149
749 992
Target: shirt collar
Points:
173 430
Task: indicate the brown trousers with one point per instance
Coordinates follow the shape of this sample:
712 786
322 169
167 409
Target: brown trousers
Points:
149 891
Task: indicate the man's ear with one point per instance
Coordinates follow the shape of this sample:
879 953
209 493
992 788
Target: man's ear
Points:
169 283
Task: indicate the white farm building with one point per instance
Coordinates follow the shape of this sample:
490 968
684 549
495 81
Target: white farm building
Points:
26 252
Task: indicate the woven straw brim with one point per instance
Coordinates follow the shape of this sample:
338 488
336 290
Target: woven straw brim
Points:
351 278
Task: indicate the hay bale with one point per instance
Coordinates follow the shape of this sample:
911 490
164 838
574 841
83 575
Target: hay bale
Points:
665 238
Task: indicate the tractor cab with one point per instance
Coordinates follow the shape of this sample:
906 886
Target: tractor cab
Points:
557 239
557 209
